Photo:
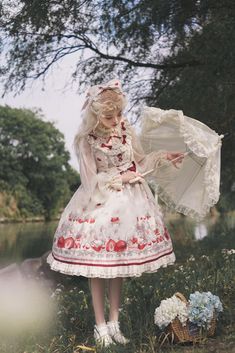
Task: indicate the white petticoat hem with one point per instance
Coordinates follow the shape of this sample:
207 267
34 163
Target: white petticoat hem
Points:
110 272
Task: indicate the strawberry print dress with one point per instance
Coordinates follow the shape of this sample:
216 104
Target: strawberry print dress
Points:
109 228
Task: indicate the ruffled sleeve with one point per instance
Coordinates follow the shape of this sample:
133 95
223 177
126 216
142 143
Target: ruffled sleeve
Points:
96 184
146 161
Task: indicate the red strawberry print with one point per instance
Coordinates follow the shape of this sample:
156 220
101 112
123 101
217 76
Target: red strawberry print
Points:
69 243
114 219
60 242
120 246
110 246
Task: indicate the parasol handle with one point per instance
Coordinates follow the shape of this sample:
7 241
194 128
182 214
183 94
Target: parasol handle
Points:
151 170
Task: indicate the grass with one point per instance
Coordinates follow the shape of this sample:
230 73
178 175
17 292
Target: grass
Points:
210 268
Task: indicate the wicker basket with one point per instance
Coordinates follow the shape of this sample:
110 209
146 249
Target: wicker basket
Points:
190 332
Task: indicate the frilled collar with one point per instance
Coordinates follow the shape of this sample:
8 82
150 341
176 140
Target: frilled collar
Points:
106 133
112 141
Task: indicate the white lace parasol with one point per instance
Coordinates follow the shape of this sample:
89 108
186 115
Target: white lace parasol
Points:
193 188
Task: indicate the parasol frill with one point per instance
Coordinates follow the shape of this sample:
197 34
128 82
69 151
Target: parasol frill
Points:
193 188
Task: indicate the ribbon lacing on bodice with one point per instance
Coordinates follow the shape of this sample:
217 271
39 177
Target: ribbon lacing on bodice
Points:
114 149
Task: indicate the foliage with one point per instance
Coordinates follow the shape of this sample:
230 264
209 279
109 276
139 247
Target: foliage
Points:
171 54
34 162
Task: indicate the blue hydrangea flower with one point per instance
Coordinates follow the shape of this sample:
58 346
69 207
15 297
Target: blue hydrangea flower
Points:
201 308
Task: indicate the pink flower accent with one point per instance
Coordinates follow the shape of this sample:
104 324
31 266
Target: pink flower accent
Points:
141 246
86 246
77 243
110 246
134 240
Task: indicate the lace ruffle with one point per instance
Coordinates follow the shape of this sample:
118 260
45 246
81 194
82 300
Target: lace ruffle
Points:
189 129
110 272
187 211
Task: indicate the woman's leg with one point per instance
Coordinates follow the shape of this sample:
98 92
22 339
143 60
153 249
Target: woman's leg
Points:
114 293
101 331
98 292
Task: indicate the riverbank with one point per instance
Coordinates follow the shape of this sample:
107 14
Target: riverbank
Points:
72 326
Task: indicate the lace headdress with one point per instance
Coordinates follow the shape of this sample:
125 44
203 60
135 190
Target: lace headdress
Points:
100 100
105 98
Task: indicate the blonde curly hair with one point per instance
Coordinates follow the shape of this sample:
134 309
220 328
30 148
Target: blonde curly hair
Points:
108 101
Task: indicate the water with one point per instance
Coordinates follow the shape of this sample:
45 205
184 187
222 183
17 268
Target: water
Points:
20 241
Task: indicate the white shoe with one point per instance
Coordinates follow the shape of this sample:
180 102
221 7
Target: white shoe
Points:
101 335
115 333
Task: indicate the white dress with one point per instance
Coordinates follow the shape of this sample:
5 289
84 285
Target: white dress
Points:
110 229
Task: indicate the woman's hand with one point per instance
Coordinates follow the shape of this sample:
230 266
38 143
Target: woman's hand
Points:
127 176
175 157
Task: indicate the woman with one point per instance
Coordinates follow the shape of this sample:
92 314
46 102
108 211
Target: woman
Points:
112 227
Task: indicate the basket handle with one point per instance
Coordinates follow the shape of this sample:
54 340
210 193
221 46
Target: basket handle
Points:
181 297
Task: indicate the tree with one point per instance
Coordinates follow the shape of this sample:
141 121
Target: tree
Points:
173 54
130 36
33 161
